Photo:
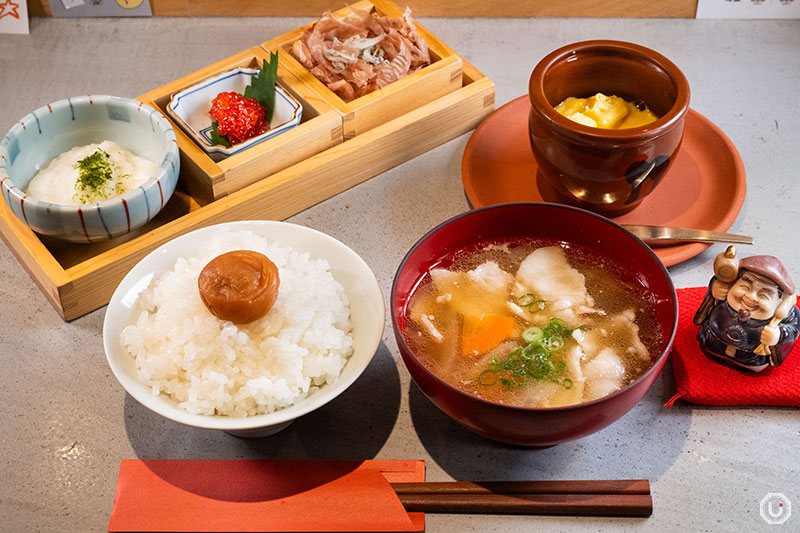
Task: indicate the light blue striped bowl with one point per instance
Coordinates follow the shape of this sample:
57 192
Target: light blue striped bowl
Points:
53 129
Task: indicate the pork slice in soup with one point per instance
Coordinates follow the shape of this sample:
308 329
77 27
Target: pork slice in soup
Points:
532 325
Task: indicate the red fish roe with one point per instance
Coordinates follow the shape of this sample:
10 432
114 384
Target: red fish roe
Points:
238 117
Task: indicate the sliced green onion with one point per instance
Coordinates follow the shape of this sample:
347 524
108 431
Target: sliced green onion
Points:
567 383
554 343
482 378
538 369
526 353
532 334
535 307
556 325
526 299
530 301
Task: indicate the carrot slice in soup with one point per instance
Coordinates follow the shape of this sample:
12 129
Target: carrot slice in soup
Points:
482 333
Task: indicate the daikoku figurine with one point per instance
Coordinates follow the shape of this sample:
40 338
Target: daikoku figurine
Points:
748 318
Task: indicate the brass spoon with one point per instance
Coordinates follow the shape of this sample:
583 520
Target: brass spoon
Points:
664 233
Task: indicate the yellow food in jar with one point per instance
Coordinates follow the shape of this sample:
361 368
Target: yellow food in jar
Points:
607 112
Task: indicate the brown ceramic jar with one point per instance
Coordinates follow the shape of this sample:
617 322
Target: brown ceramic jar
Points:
608 171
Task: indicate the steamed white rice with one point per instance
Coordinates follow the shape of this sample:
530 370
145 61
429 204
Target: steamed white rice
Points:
211 366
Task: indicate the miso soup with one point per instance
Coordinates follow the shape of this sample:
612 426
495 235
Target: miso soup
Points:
532 324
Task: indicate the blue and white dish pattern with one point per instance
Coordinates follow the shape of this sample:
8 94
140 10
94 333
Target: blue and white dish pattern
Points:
55 128
190 109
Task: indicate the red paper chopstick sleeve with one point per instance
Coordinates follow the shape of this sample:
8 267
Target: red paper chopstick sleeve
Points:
252 495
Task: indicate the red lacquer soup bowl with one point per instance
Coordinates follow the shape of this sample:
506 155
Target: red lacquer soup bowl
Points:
535 427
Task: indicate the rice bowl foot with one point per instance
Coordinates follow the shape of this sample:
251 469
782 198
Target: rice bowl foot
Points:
259 432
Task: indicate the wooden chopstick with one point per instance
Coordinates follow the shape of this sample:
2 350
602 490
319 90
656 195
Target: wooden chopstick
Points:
548 504
583 497
581 486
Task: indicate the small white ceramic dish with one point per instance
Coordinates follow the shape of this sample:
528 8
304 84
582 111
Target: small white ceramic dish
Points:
367 314
190 107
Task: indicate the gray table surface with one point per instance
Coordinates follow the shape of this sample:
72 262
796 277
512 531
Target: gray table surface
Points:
65 422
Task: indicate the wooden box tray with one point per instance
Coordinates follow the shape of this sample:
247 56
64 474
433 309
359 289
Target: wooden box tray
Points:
77 279
427 84
208 180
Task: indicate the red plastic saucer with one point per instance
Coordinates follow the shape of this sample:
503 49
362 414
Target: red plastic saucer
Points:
704 188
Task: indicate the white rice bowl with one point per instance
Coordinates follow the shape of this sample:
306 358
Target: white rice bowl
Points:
214 367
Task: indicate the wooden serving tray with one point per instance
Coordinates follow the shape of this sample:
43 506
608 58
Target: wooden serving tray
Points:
442 76
79 278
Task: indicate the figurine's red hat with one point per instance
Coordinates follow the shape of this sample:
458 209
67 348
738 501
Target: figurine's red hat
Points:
771 268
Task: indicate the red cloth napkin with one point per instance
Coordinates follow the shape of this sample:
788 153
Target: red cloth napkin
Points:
700 380
250 495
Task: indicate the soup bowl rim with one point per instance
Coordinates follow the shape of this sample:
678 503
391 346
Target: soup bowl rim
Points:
406 349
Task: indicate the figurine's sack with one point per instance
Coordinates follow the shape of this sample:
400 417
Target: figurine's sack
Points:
700 380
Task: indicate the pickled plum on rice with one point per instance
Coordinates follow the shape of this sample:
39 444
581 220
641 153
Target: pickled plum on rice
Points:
532 325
